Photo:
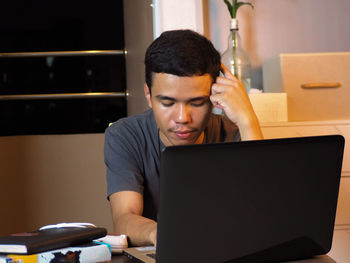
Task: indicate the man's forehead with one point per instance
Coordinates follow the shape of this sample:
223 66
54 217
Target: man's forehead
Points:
161 76
167 86
199 98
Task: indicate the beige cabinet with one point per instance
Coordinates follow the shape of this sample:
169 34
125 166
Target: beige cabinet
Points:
316 84
313 128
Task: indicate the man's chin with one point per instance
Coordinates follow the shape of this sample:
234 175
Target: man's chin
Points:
183 141
179 143
172 138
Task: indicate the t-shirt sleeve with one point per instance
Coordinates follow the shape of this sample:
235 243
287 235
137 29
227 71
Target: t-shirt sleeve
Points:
221 129
122 159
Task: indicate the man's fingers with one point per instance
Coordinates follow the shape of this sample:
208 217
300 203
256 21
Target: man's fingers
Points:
226 81
219 88
227 73
217 100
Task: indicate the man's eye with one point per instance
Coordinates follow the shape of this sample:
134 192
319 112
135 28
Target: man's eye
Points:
198 104
167 104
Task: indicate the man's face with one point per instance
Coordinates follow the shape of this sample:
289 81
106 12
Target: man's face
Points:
181 107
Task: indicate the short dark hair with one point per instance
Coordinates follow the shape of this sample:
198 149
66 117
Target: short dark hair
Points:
181 53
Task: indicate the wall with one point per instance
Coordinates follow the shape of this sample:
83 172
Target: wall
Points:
138 24
177 14
282 26
47 179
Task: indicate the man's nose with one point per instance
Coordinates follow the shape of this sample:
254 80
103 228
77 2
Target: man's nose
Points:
183 114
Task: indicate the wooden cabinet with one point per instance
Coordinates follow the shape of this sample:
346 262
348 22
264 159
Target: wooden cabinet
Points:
314 128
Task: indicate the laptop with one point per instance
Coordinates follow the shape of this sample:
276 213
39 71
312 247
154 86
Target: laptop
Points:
247 202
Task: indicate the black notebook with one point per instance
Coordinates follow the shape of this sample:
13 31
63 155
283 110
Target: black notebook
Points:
48 239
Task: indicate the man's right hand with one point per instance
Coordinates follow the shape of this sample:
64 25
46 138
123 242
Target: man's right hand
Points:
127 209
153 236
229 94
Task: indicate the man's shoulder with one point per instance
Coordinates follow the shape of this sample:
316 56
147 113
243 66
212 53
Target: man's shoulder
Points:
136 128
221 129
134 122
216 121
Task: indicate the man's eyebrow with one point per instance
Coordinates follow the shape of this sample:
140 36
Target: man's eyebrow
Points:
199 98
162 97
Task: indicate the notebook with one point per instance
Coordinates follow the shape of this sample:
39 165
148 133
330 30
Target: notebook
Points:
48 239
251 201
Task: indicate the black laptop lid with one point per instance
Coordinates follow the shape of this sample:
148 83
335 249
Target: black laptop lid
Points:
251 201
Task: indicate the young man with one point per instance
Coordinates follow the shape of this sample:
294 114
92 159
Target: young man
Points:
182 85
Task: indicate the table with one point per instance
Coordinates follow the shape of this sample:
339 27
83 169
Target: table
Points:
339 252
120 259
321 259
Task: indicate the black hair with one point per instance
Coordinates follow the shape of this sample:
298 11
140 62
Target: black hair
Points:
181 53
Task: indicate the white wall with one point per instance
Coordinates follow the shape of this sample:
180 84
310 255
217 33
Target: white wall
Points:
177 14
282 26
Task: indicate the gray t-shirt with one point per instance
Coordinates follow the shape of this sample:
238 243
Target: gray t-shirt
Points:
132 154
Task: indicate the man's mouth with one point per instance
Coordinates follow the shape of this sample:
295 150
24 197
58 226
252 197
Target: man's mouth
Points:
183 134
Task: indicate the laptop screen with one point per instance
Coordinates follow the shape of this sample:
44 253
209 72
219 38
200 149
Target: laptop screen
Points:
251 201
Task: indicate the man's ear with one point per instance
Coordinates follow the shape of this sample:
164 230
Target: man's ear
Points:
147 95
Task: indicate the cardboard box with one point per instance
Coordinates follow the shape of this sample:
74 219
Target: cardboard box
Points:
317 84
270 107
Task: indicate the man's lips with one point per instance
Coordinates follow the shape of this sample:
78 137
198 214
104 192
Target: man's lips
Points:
183 134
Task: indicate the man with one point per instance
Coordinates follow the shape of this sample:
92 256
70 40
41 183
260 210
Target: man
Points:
182 85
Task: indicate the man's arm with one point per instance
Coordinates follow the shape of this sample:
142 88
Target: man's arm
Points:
127 208
228 94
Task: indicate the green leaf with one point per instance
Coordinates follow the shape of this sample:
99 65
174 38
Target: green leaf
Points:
229 7
245 3
238 5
